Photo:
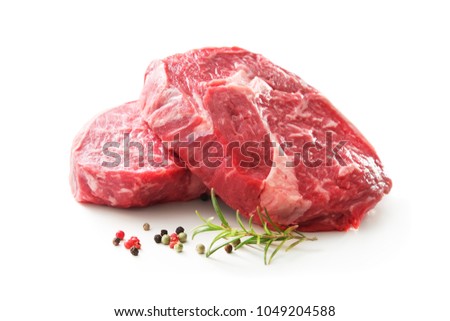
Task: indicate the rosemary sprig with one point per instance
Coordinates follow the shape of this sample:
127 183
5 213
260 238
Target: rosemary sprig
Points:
272 237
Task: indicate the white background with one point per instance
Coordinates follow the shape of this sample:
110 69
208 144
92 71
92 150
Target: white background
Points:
384 65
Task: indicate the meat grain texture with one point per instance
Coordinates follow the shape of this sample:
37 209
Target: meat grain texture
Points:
221 97
135 182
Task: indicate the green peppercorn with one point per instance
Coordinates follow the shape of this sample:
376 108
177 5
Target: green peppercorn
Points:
164 232
178 247
200 248
116 241
165 239
228 248
146 227
179 230
236 242
182 237
157 238
134 251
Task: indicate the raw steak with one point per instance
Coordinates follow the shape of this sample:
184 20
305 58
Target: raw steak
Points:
131 181
298 156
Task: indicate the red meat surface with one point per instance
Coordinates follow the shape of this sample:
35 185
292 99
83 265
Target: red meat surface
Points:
96 178
297 155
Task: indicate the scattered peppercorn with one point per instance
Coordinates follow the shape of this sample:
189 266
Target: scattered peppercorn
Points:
182 237
146 227
157 238
134 251
236 242
165 239
200 248
128 244
164 232
228 248
172 244
179 230
116 241
204 197
178 247
174 237
120 234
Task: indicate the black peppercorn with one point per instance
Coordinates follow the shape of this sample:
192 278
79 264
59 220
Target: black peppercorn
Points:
179 230
134 251
157 238
116 241
228 248
164 232
204 197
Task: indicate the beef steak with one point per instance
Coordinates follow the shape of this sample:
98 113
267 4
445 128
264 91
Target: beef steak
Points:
121 177
260 136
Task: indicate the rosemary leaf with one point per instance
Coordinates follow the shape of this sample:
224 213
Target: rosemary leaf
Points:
250 240
293 244
238 219
290 229
276 250
266 229
218 210
272 224
266 250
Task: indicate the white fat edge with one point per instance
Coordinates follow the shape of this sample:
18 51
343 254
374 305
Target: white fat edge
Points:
330 123
174 97
112 200
206 127
280 188
240 78
92 182
124 190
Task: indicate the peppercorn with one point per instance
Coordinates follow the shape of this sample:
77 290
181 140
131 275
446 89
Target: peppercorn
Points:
200 248
116 241
120 235
178 247
165 239
204 197
164 232
134 241
174 237
182 237
228 248
172 244
157 238
179 230
134 251
146 227
128 244
236 242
